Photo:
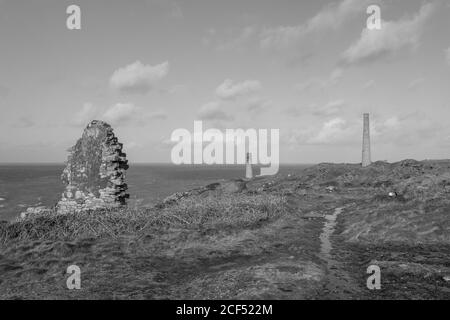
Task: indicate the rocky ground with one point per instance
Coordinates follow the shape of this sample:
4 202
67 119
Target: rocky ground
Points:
306 235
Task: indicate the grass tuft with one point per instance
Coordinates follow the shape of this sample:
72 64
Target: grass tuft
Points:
235 210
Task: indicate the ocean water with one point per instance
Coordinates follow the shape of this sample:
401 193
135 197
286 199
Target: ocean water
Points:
26 185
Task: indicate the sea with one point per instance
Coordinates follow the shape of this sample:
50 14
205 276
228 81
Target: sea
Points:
28 185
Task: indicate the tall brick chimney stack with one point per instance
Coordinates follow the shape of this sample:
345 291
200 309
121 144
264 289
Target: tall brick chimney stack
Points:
248 167
366 160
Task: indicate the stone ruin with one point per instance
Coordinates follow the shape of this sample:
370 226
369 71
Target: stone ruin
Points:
95 172
366 158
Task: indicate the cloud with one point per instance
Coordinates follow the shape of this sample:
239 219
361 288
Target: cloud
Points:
118 114
231 90
296 137
138 78
257 104
237 96
284 39
129 114
393 36
330 17
214 111
407 130
336 130
87 113
329 109
385 127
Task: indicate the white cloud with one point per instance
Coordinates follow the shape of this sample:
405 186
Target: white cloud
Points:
330 17
336 130
335 76
408 130
118 114
393 36
213 111
121 113
233 97
137 77
386 127
257 104
331 108
333 16
231 90
87 113
391 123
296 137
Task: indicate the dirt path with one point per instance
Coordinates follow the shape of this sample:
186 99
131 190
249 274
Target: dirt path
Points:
327 231
338 283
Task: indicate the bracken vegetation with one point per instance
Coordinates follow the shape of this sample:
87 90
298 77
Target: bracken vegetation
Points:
237 211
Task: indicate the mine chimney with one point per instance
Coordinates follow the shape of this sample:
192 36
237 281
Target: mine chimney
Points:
366 161
248 167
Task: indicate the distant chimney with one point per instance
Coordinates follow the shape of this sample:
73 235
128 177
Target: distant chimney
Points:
248 167
366 161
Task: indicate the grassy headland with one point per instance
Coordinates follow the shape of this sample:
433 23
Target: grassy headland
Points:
256 239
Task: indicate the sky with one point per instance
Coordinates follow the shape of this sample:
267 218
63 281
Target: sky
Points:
149 67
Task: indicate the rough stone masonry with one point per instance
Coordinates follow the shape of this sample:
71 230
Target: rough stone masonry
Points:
366 158
95 171
248 167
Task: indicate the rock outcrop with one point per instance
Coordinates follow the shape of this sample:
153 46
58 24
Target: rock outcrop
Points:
95 172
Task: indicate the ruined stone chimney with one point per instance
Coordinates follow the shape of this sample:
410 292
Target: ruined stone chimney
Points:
248 167
95 172
366 160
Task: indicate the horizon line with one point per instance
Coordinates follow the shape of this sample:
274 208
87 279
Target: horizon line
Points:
169 163
164 163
